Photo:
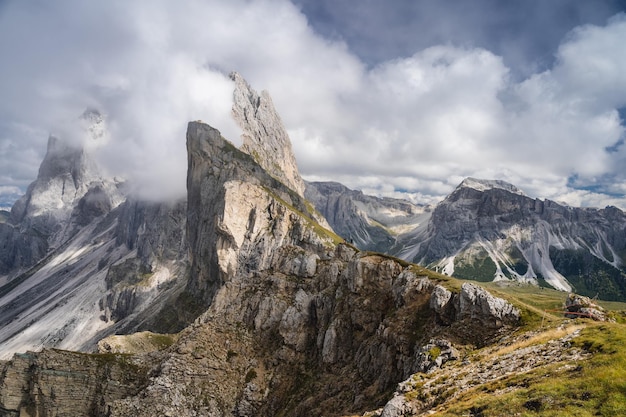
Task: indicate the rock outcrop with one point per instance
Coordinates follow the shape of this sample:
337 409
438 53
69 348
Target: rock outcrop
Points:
264 136
577 306
70 384
423 394
232 205
475 304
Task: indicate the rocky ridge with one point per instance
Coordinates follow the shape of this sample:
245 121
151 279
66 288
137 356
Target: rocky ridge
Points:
295 322
370 223
489 230
426 392
264 136
498 233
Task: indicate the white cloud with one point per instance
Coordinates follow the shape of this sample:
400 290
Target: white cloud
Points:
417 124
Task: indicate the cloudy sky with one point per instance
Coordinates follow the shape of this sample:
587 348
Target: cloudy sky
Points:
395 97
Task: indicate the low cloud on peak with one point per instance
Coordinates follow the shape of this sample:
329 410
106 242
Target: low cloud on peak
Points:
405 124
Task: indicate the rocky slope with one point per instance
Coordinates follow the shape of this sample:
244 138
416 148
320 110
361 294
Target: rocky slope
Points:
79 258
294 322
295 325
368 222
489 230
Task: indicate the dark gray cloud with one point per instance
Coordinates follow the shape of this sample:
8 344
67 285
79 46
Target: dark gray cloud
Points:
525 33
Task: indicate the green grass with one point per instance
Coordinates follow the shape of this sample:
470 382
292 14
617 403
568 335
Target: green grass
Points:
482 268
592 387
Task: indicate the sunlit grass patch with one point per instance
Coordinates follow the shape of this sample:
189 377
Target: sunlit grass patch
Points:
595 386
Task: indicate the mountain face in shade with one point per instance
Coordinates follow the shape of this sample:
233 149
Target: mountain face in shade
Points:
490 230
78 256
69 193
370 223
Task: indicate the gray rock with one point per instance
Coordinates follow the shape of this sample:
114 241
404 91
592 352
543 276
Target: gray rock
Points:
491 230
476 303
368 222
398 406
439 299
578 306
264 136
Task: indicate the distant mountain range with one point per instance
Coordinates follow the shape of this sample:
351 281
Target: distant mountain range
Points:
489 230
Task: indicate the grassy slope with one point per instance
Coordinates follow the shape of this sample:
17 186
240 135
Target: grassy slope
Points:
595 386
591 387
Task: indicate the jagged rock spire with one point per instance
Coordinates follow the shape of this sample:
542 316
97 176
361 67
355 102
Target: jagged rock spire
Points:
264 136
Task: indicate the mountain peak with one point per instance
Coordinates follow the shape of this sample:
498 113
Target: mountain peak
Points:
484 185
264 136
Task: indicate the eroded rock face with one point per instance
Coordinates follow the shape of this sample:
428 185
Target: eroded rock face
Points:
62 383
238 214
490 230
275 341
578 306
69 192
368 222
294 323
264 136
68 186
473 311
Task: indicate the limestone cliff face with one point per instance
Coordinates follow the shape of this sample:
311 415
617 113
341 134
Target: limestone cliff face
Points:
238 214
264 136
61 383
312 333
293 323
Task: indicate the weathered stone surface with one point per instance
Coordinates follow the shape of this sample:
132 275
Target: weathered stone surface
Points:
368 222
68 384
491 230
434 354
398 406
439 300
475 303
294 323
578 306
232 204
264 136
423 394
